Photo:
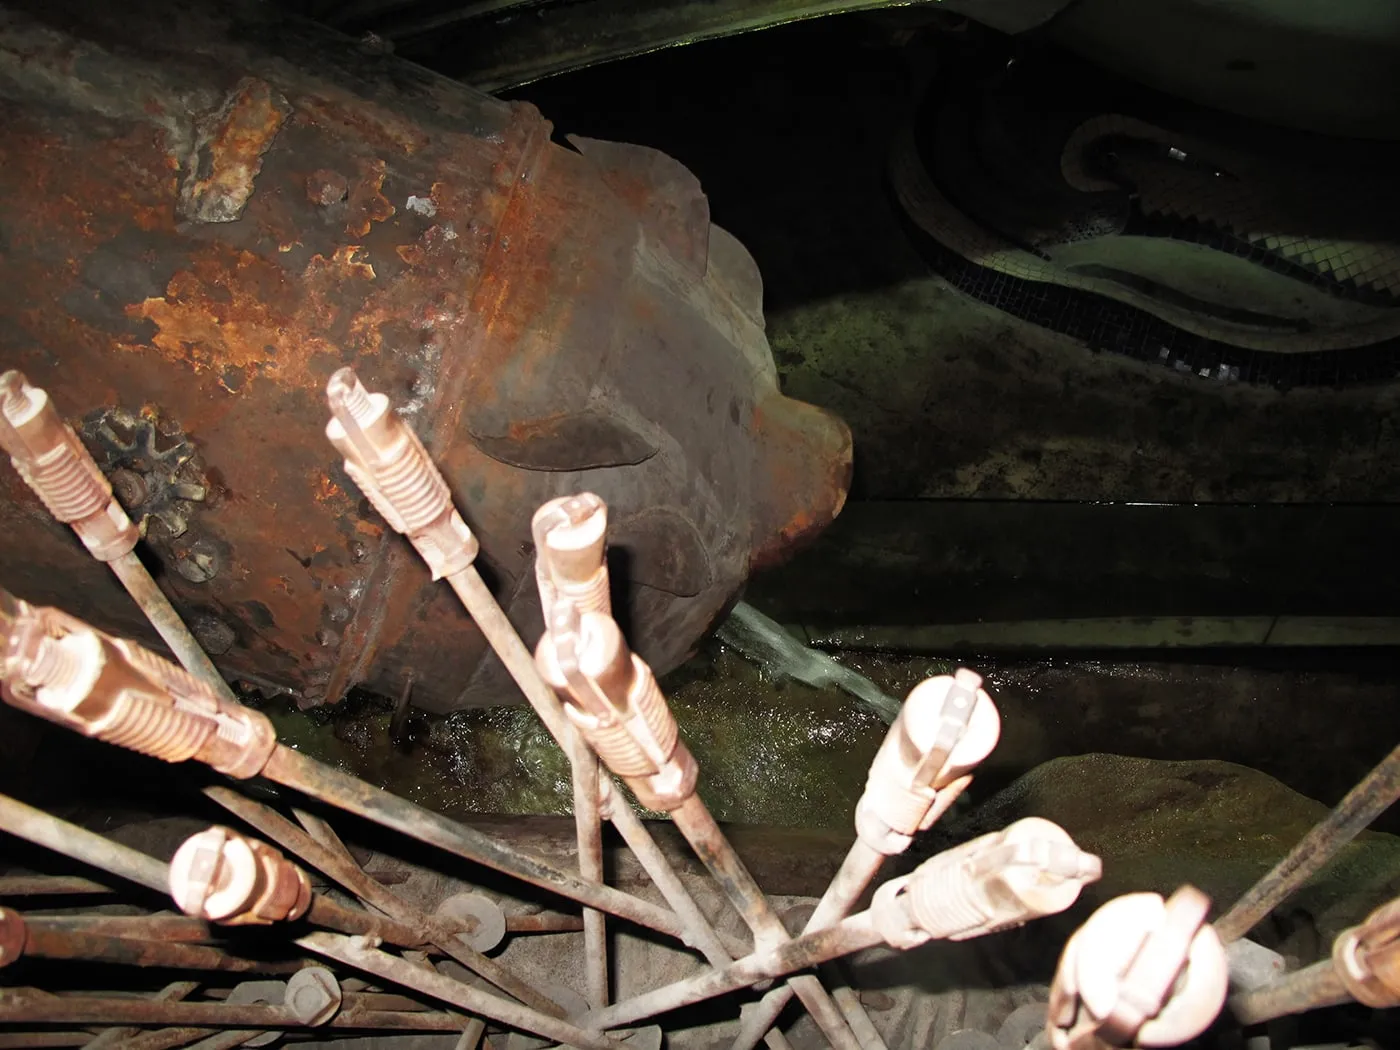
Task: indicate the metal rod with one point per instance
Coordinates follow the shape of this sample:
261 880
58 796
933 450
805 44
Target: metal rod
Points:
224 1040
175 928
295 770
544 922
169 1038
695 822
19 1040
22 1006
471 1035
702 935
860 866
350 952
500 633
110 1037
585 772
42 829
338 865
483 608
848 1001
1308 989
850 935
1364 803
25 1006
46 942
172 630
336 916
50 886
481 605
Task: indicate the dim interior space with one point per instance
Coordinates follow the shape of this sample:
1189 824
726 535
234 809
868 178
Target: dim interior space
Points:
600 524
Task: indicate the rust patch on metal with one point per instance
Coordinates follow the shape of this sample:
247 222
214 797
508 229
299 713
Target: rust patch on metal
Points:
228 152
325 187
215 316
344 259
367 203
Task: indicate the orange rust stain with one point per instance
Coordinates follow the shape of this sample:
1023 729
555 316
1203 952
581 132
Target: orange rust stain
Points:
235 309
367 203
342 259
326 489
229 151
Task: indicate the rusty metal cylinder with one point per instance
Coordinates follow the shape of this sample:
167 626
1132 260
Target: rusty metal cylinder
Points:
210 210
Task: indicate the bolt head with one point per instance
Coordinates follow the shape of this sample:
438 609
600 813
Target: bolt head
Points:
314 995
130 487
198 562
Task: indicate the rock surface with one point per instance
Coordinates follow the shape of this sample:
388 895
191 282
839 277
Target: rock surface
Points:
1216 825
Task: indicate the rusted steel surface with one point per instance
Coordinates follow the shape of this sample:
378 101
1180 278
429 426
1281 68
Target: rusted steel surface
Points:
205 216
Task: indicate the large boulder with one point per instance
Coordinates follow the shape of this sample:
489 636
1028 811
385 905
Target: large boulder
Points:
1216 825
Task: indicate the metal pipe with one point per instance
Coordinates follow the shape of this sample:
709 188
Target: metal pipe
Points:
50 886
147 594
1372 795
857 869
338 865
695 822
1310 988
295 770
850 935
43 829
350 952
